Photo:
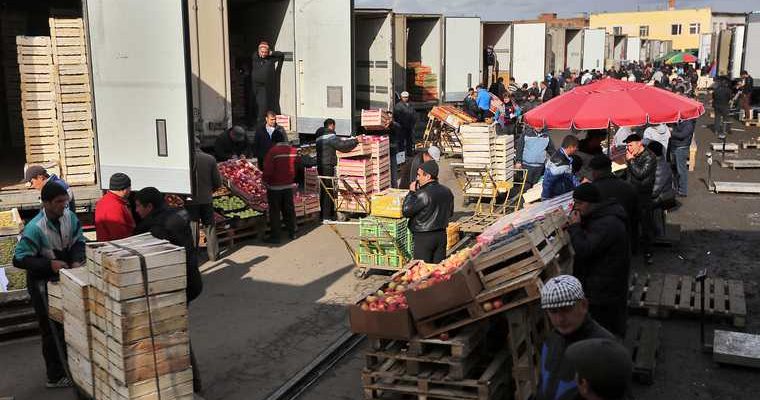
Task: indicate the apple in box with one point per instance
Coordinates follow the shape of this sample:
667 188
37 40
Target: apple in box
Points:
383 314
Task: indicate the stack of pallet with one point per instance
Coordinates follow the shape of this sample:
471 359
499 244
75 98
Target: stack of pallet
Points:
503 158
73 100
422 82
75 290
38 99
375 120
12 25
138 315
385 242
361 172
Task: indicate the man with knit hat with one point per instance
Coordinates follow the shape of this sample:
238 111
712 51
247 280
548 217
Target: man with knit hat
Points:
113 219
603 369
429 206
613 188
565 303
602 255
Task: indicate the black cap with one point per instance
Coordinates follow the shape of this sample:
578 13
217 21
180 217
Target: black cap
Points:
237 133
51 190
604 363
119 181
32 172
634 137
600 162
431 168
587 192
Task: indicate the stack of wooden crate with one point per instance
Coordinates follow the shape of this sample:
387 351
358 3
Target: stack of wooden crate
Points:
73 100
488 159
75 289
375 120
38 99
139 329
11 25
55 301
361 172
503 158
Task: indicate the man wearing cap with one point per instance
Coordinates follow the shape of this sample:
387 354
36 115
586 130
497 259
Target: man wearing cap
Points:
263 77
200 208
602 255
409 170
603 369
405 115
51 241
328 143
266 136
37 177
429 206
233 143
565 303
613 188
642 167
113 219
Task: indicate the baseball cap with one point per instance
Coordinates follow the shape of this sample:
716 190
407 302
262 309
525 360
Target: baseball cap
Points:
430 168
404 94
604 363
561 291
634 137
435 153
588 193
32 172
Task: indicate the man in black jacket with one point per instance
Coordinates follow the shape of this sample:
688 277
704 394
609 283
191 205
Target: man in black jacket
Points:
721 98
613 188
566 305
470 103
263 78
328 143
546 93
168 224
602 255
266 136
642 167
405 115
429 206
233 143
680 141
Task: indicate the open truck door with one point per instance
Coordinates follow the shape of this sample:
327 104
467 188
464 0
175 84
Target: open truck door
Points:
462 59
140 73
323 64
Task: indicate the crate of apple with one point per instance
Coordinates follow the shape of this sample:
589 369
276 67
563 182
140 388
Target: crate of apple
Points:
390 299
245 179
422 275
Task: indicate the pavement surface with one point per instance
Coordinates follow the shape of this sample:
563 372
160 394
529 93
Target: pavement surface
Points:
266 312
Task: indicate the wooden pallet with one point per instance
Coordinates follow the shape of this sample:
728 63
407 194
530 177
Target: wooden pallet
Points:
730 147
477 223
645 292
528 329
642 339
753 143
740 163
736 187
391 379
17 316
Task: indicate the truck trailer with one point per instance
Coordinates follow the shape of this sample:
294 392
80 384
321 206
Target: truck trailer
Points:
752 46
462 59
373 59
528 52
593 49
419 51
497 35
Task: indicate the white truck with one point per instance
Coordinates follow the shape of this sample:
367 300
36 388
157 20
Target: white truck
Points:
462 59
498 35
373 59
752 46
419 39
528 52
593 49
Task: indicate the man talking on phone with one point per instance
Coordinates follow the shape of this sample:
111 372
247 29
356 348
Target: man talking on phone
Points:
429 206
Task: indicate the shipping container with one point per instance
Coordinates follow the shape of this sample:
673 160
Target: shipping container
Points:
632 49
462 59
752 47
497 35
419 44
737 52
528 52
593 49
724 51
373 59
555 49
573 49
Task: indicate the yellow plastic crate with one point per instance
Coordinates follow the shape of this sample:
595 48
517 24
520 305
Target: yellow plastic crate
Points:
388 204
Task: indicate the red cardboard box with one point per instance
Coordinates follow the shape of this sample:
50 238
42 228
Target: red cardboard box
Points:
461 289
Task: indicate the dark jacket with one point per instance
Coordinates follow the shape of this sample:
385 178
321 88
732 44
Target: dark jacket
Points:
429 208
613 188
470 106
602 253
558 176
497 88
225 148
409 170
170 225
327 145
207 178
721 97
262 142
557 376
404 114
263 69
548 94
682 134
749 83
663 180
641 172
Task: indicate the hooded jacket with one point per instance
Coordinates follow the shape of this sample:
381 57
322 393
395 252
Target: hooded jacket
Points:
613 188
663 180
602 253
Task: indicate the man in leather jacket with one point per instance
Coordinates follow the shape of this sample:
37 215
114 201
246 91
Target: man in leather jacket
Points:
642 167
429 206
263 77
328 143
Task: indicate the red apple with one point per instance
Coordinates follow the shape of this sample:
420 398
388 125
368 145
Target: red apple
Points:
497 304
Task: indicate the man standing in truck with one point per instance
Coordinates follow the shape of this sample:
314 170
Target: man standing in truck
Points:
263 78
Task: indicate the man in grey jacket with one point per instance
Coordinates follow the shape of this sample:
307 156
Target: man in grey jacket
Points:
200 207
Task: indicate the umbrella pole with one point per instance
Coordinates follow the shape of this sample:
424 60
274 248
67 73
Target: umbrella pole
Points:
609 142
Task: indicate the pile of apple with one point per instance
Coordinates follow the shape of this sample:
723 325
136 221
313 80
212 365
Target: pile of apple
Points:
489 306
246 178
388 300
422 276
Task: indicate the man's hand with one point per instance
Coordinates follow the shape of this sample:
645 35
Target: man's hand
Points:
575 217
57 265
585 180
413 186
629 155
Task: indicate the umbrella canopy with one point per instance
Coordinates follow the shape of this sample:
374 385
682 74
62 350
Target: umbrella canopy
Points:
681 58
612 102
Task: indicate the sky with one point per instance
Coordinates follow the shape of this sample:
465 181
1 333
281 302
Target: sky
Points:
505 10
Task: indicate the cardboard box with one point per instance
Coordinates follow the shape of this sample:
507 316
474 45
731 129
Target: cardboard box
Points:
382 324
461 289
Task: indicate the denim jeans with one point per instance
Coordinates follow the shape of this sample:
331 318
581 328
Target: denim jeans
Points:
680 156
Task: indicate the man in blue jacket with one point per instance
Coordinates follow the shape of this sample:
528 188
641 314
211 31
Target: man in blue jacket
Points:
484 103
51 241
680 142
558 174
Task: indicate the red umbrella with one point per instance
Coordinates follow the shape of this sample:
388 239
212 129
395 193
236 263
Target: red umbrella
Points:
612 102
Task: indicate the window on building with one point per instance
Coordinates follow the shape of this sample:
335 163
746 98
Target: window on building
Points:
644 30
675 29
694 29
617 30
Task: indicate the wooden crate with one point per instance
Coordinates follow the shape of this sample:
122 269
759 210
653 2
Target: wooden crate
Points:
55 301
527 332
642 339
76 326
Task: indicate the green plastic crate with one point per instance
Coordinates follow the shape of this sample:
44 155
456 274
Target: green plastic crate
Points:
383 228
367 259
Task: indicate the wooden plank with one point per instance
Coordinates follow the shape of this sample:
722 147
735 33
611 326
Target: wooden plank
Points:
686 298
740 163
736 187
730 147
736 348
